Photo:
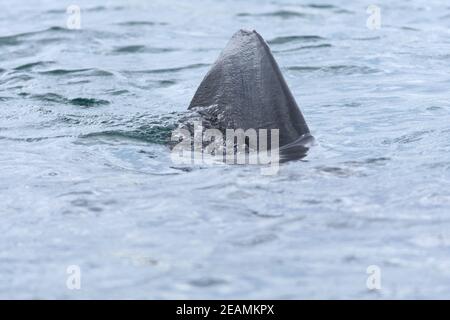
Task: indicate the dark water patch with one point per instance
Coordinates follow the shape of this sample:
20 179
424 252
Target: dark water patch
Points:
319 46
32 65
352 104
207 282
409 28
370 161
319 6
265 215
377 160
55 11
188 67
367 38
408 138
140 23
62 72
153 129
159 135
52 40
288 39
141 49
117 92
78 82
33 139
70 119
183 169
54 29
151 155
151 84
19 87
82 102
85 72
95 9
87 120
284 14
304 68
88 102
169 70
328 7
130 49
50 97
16 39
166 83
336 69
9 41
85 203
16 78
434 108
92 9
312 201
139 122
206 49
103 8
156 133
343 11
338 171
255 240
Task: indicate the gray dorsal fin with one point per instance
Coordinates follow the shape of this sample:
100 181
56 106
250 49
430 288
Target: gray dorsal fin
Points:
245 89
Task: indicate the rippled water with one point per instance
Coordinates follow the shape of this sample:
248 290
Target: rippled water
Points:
86 180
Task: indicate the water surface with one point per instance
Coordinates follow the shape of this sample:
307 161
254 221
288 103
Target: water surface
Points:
86 180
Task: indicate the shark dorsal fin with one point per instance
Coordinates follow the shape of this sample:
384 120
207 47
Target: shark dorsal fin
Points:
245 89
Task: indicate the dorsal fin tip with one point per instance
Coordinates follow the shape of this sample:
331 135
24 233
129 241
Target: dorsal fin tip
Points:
245 89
